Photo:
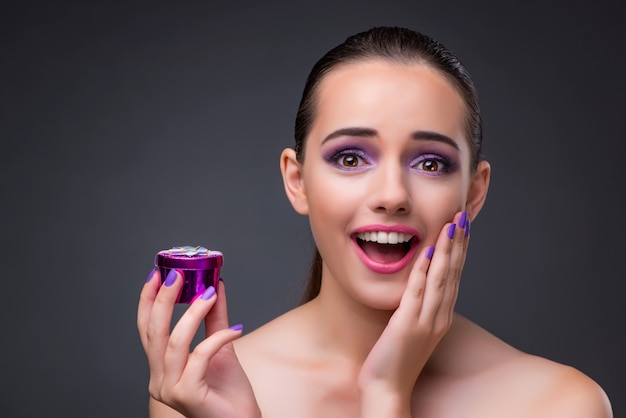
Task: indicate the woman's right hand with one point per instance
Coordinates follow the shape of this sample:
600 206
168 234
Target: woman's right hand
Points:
425 314
207 382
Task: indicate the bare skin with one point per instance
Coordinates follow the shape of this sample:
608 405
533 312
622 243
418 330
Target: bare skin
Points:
377 341
470 374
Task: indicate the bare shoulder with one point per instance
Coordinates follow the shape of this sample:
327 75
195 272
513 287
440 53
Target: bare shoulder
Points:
549 389
267 340
573 394
275 349
274 357
507 379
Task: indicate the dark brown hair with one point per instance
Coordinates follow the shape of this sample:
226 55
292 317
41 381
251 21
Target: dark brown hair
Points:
397 45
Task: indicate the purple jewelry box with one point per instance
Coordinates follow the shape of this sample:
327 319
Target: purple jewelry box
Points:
200 269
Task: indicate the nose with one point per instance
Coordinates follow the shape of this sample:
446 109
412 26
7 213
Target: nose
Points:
390 191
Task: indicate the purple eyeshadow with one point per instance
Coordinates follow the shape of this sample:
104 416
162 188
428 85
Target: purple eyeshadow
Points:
334 156
348 147
449 165
368 155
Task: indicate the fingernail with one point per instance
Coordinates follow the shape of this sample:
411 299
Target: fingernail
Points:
171 278
237 327
467 228
151 275
208 294
429 252
462 220
451 229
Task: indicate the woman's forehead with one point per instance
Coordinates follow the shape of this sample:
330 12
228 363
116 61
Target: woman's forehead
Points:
381 94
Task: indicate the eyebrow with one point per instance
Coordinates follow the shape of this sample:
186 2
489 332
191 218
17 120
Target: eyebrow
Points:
363 132
369 133
434 136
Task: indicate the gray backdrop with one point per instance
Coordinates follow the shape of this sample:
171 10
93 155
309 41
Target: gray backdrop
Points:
128 128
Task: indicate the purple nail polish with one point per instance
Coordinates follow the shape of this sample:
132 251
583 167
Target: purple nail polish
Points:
451 229
171 278
237 327
429 252
151 275
208 294
462 220
467 228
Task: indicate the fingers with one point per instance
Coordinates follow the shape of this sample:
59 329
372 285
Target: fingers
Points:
159 322
199 360
457 261
413 297
433 283
459 245
168 353
437 276
146 299
446 267
182 335
219 315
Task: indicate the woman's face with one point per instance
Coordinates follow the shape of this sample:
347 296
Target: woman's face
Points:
386 164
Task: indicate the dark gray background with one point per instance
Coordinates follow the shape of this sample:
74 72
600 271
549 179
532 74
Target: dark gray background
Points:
127 128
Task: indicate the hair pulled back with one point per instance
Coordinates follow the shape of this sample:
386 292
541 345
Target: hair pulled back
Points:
395 45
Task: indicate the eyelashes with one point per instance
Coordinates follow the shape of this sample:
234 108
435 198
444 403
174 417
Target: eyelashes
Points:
434 164
355 159
349 159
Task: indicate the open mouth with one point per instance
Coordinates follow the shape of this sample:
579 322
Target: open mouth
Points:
385 247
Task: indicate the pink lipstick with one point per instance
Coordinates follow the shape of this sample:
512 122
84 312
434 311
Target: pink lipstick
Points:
385 249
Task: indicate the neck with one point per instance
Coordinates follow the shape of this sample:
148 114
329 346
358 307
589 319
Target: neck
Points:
345 327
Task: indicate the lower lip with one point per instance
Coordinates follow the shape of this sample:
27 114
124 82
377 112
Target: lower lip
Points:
383 268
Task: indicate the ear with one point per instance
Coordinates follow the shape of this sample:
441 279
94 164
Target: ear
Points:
479 184
293 182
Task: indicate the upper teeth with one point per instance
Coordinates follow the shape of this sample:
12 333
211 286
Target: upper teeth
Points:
384 237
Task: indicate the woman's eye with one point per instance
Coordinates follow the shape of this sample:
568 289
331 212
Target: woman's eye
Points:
430 165
434 165
350 161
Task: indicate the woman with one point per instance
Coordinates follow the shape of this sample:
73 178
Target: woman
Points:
387 168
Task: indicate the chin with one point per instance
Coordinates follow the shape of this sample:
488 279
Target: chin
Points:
384 298
381 306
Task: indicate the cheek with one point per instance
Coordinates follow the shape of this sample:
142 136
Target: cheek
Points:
333 195
437 205
329 203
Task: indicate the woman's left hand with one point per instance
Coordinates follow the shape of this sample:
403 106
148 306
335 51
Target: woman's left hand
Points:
424 316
